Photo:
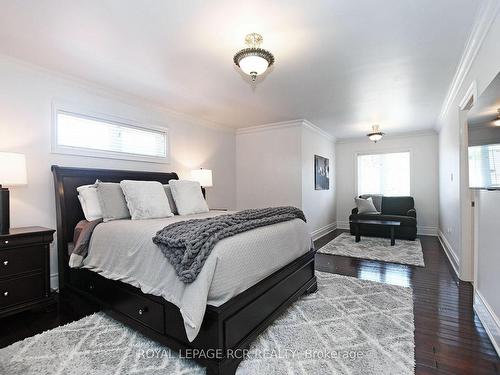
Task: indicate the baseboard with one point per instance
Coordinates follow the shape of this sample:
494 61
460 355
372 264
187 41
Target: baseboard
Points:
315 234
342 225
448 250
490 321
427 231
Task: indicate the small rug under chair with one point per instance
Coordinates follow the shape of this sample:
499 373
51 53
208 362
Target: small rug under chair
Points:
349 326
375 248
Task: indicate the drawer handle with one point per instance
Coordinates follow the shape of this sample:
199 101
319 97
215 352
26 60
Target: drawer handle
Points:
5 294
143 310
5 262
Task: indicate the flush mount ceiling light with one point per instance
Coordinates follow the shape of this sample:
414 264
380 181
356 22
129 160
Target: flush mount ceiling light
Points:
253 60
376 135
497 121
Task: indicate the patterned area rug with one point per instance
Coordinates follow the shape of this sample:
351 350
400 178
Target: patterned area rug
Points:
403 252
349 326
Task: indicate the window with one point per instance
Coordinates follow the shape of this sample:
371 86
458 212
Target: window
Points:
387 174
82 134
484 166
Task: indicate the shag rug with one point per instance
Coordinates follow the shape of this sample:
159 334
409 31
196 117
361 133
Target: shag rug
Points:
349 326
403 252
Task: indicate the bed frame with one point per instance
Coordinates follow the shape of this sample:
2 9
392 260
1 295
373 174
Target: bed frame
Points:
225 329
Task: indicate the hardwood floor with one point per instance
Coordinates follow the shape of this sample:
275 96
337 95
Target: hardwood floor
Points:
449 338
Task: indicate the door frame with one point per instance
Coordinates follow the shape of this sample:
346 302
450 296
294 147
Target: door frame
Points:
466 265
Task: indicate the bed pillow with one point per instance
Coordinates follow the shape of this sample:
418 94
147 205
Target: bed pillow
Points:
146 199
365 206
112 201
89 200
188 197
171 202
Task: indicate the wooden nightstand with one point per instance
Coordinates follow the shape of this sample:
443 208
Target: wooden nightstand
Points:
24 269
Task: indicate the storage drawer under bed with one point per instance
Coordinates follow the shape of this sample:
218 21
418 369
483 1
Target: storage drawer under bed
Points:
115 295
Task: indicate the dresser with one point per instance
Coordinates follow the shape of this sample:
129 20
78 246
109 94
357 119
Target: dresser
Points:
24 269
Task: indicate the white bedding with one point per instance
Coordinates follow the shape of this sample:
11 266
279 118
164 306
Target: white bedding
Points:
123 250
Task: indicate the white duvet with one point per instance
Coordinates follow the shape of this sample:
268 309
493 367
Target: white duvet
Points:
123 250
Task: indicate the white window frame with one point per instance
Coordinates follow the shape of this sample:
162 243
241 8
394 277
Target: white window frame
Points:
384 151
82 112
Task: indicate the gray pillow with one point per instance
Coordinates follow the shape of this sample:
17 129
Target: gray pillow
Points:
365 206
146 199
171 201
112 201
376 198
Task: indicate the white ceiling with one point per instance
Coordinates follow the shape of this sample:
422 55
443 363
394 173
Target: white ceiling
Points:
340 64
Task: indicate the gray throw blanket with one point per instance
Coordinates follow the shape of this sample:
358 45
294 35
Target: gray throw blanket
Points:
187 244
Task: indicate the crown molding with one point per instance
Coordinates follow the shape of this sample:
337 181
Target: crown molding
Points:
318 130
421 133
482 24
270 126
284 125
122 96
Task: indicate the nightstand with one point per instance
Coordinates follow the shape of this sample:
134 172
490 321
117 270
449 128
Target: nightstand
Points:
24 269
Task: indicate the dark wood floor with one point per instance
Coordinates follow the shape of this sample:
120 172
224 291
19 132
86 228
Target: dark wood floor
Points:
449 338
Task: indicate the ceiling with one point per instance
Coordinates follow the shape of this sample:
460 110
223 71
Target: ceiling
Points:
487 106
341 64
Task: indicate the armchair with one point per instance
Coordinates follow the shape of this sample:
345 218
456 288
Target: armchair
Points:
400 209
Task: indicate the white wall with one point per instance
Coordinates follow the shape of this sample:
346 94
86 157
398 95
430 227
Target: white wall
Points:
268 167
424 175
275 166
26 94
488 260
319 206
483 69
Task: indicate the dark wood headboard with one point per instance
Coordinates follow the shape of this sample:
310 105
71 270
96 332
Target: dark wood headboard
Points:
68 209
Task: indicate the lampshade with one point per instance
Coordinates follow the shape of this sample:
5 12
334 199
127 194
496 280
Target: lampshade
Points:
12 169
203 176
376 135
253 65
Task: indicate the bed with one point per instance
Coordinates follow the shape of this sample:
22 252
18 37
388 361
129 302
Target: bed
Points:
232 319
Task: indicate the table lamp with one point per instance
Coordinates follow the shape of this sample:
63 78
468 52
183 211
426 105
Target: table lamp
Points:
12 173
203 176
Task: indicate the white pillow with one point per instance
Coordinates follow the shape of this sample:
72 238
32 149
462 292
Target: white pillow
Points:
146 199
365 206
188 197
87 195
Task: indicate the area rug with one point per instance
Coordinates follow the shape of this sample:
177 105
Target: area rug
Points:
350 326
403 252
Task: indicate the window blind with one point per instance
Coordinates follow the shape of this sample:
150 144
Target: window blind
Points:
88 133
484 166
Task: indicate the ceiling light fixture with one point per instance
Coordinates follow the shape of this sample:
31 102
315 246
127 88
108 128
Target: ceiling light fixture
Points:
376 135
253 60
497 121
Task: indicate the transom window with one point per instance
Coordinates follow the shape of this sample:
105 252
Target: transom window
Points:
384 173
88 135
